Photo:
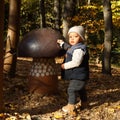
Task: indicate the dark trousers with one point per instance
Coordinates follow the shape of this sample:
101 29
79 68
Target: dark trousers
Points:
76 88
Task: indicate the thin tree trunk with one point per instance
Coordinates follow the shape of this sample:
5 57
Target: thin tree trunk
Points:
57 12
88 2
106 63
69 10
42 14
13 38
1 54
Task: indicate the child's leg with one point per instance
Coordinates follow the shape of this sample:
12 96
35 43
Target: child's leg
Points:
83 94
83 97
74 86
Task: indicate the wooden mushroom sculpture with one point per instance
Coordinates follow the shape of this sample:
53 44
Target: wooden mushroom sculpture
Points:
41 45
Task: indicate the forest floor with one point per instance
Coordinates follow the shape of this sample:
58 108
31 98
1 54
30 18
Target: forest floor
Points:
103 95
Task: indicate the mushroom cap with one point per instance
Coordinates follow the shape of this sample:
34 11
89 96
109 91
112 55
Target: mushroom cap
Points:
40 43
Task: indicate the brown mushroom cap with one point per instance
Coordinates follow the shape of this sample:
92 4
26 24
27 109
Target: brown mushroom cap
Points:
40 43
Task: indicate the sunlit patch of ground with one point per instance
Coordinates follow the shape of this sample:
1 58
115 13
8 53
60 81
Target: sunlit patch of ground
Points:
103 94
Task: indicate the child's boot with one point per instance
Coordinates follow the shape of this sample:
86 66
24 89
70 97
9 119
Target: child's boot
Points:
69 108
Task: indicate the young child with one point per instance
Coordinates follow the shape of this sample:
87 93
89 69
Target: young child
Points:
76 67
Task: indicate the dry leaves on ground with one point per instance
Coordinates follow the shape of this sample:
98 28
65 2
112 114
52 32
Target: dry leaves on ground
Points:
103 94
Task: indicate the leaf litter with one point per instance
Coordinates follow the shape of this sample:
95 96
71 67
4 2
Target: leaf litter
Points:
20 104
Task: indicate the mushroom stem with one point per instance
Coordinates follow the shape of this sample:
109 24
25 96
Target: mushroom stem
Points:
43 76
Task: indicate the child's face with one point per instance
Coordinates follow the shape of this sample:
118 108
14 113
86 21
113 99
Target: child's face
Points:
74 38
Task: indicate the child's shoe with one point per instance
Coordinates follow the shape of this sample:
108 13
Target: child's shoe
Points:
69 108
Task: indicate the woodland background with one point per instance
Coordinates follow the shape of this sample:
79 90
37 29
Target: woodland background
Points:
62 15
100 19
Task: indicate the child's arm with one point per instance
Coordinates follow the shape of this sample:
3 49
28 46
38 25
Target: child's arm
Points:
77 58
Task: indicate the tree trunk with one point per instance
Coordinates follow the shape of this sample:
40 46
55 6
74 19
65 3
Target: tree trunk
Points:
106 63
13 38
57 12
69 9
42 14
1 54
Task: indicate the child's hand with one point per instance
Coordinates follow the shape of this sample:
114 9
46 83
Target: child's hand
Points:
60 42
62 66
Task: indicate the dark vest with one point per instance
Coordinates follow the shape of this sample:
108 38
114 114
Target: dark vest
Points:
82 71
